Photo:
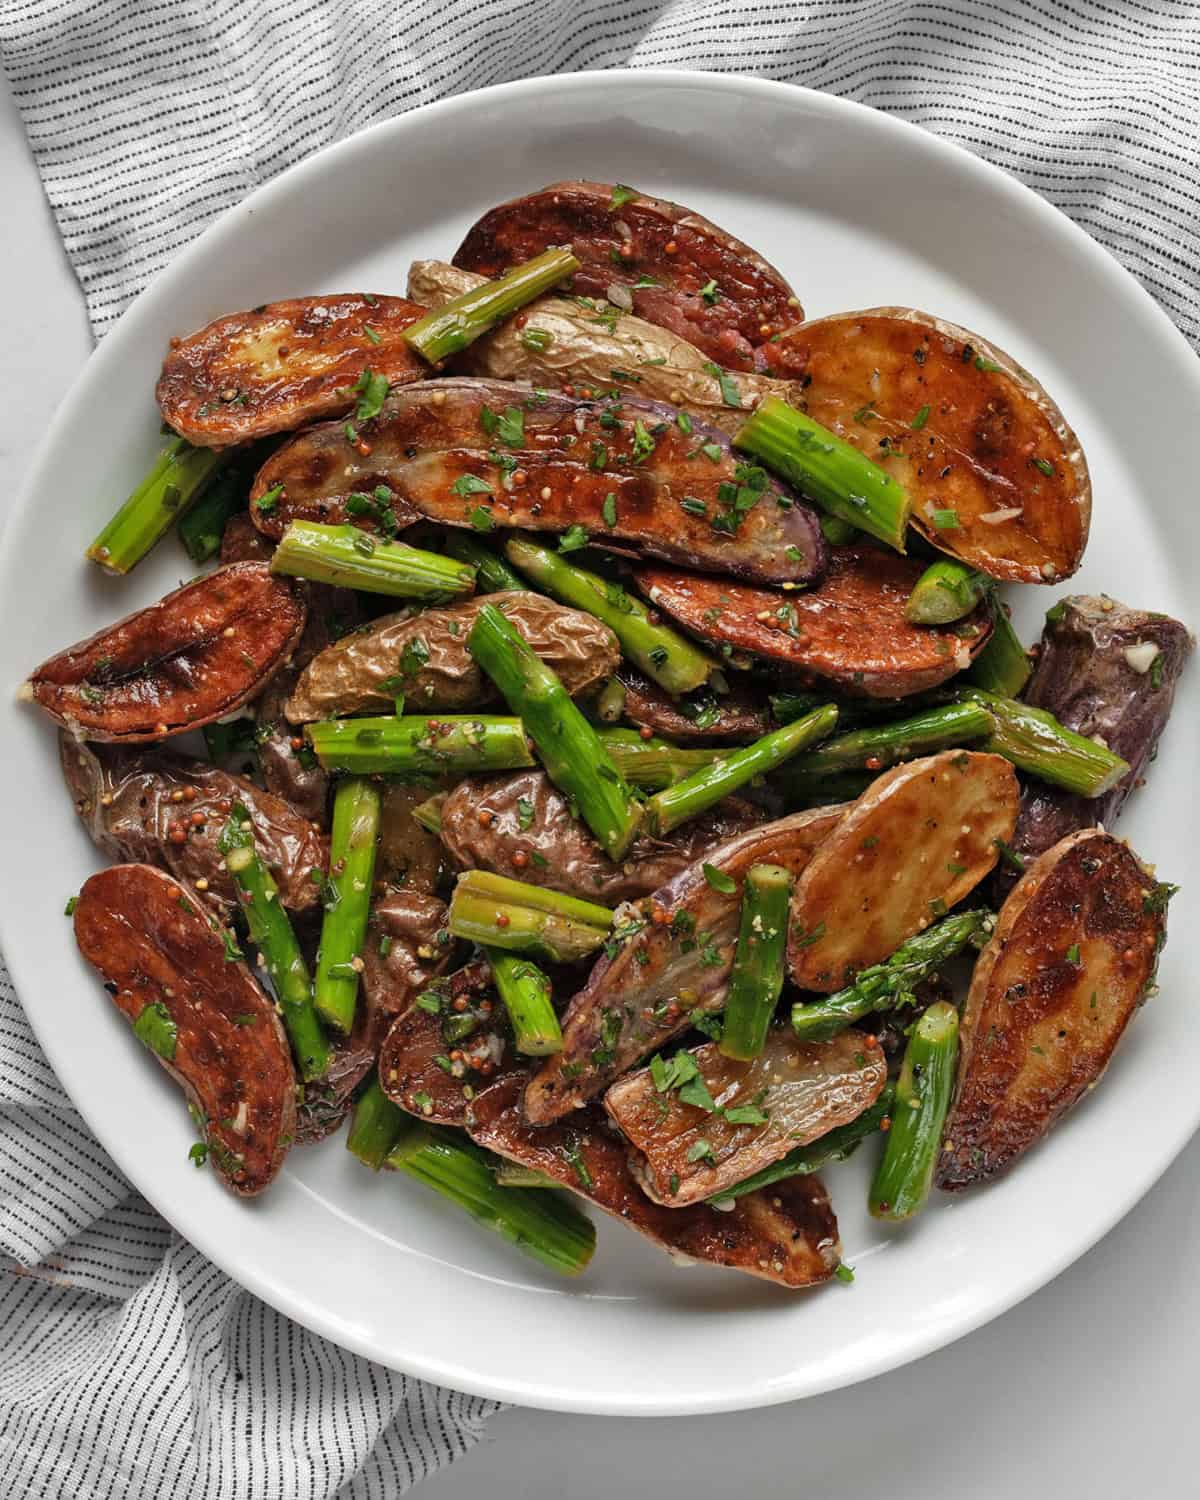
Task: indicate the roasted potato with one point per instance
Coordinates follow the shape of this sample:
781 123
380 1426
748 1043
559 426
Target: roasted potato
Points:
919 839
661 974
792 1093
1072 957
576 343
409 857
249 374
191 658
167 964
996 476
849 630
786 1233
622 470
406 948
241 541
705 716
676 269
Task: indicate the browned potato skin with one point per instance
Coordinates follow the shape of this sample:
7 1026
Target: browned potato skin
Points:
804 1088
786 1233
1038 1030
347 676
659 978
241 541
153 942
191 658
556 848
849 630
277 367
419 951
586 343
131 801
919 839
430 437
979 450
408 856
625 244
740 717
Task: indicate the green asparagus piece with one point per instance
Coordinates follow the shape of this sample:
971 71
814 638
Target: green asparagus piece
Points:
375 1126
833 473
544 1225
838 533
1035 742
665 656
510 1174
570 750
836 1145
654 763
756 981
698 792
271 933
824 788
788 706
179 474
946 591
492 574
350 558
497 912
455 742
202 525
884 744
458 323
428 814
890 984
525 991
610 703
352 844
905 1172
1003 666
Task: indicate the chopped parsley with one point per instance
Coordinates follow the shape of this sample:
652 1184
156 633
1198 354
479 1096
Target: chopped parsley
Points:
719 881
683 422
1045 466
538 340
371 390
156 1029
711 293
269 500
945 520
572 539
470 484
72 903
701 1150
198 1154
609 510
920 419
482 519
729 390
621 195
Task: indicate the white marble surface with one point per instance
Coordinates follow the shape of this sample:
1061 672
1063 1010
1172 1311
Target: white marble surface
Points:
1087 1389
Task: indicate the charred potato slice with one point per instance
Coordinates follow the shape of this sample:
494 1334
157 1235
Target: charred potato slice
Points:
250 374
737 715
996 476
849 630
165 963
919 839
191 658
676 268
407 946
1072 957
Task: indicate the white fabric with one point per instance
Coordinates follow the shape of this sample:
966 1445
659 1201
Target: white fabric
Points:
129 1367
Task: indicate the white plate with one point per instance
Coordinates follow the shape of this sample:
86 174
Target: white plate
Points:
857 209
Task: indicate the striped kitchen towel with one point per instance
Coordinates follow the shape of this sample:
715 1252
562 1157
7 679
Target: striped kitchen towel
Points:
130 1368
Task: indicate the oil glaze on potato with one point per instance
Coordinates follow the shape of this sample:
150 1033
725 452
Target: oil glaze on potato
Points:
191 658
164 961
786 1233
919 839
277 367
1071 959
849 629
695 278
962 427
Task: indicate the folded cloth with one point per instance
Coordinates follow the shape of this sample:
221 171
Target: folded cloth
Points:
131 1367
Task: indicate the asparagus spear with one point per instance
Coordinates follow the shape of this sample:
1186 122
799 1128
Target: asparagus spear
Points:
350 558
698 792
1037 743
510 1174
836 1145
202 525
824 788
353 840
756 980
455 742
1003 666
946 591
610 704
882 745
572 753
544 1225
788 706
837 533
272 934
492 574
458 323
179 474
525 991
837 476
890 984
905 1172
375 1126
497 912
667 657
654 763
428 814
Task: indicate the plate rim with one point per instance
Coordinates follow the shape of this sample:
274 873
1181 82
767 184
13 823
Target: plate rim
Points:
444 1371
